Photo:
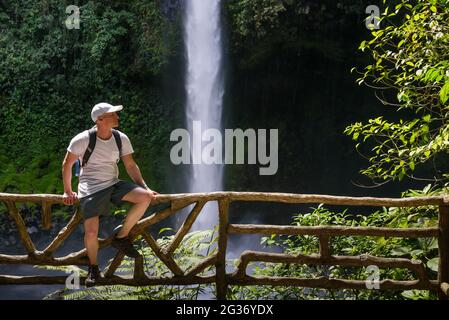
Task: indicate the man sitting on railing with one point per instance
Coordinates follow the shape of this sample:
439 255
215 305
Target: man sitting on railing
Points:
101 148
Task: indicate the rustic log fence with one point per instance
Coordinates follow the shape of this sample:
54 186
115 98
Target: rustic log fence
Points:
239 277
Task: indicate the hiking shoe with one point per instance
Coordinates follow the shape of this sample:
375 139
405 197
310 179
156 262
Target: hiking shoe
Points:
93 276
125 245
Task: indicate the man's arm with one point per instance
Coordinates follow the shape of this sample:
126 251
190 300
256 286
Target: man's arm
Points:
134 172
67 164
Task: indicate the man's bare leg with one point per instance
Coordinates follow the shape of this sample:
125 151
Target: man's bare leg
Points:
141 199
91 226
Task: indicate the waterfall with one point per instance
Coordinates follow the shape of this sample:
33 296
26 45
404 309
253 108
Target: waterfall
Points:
205 88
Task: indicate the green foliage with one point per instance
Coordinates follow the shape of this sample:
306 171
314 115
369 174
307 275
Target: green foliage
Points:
30 172
66 269
411 61
424 249
198 245
256 18
51 76
264 29
195 247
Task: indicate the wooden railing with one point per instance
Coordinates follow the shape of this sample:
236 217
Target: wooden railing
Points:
239 277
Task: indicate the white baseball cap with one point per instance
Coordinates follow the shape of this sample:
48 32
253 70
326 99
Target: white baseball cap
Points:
102 108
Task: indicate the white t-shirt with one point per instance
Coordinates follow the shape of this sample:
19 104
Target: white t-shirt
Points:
101 170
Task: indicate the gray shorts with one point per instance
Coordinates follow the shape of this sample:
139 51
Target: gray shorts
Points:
97 204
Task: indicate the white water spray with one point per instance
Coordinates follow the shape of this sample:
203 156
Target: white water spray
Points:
204 85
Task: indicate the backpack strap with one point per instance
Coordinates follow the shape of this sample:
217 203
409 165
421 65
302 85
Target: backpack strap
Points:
91 146
93 141
118 140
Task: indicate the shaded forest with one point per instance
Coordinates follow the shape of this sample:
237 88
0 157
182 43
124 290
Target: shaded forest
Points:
287 67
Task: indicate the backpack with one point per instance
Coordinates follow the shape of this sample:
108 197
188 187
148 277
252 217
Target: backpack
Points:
91 147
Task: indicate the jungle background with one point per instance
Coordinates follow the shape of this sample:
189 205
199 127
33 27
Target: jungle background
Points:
294 65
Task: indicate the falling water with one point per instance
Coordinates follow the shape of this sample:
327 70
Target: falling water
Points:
204 86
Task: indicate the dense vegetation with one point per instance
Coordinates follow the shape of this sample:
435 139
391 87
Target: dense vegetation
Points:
410 74
51 76
194 248
410 69
423 249
278 55
288 67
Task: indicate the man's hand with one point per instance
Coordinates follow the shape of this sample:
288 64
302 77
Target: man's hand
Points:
152 193
69 197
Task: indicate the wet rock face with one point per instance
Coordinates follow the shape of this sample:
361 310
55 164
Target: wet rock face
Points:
170 8
9 237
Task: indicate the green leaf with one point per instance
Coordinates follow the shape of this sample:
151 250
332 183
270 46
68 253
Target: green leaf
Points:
434 244
444 93
432 264
165 229
400 251
415 295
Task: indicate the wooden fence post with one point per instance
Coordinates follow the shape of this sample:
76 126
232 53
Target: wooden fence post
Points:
443 248
220 264
46 215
